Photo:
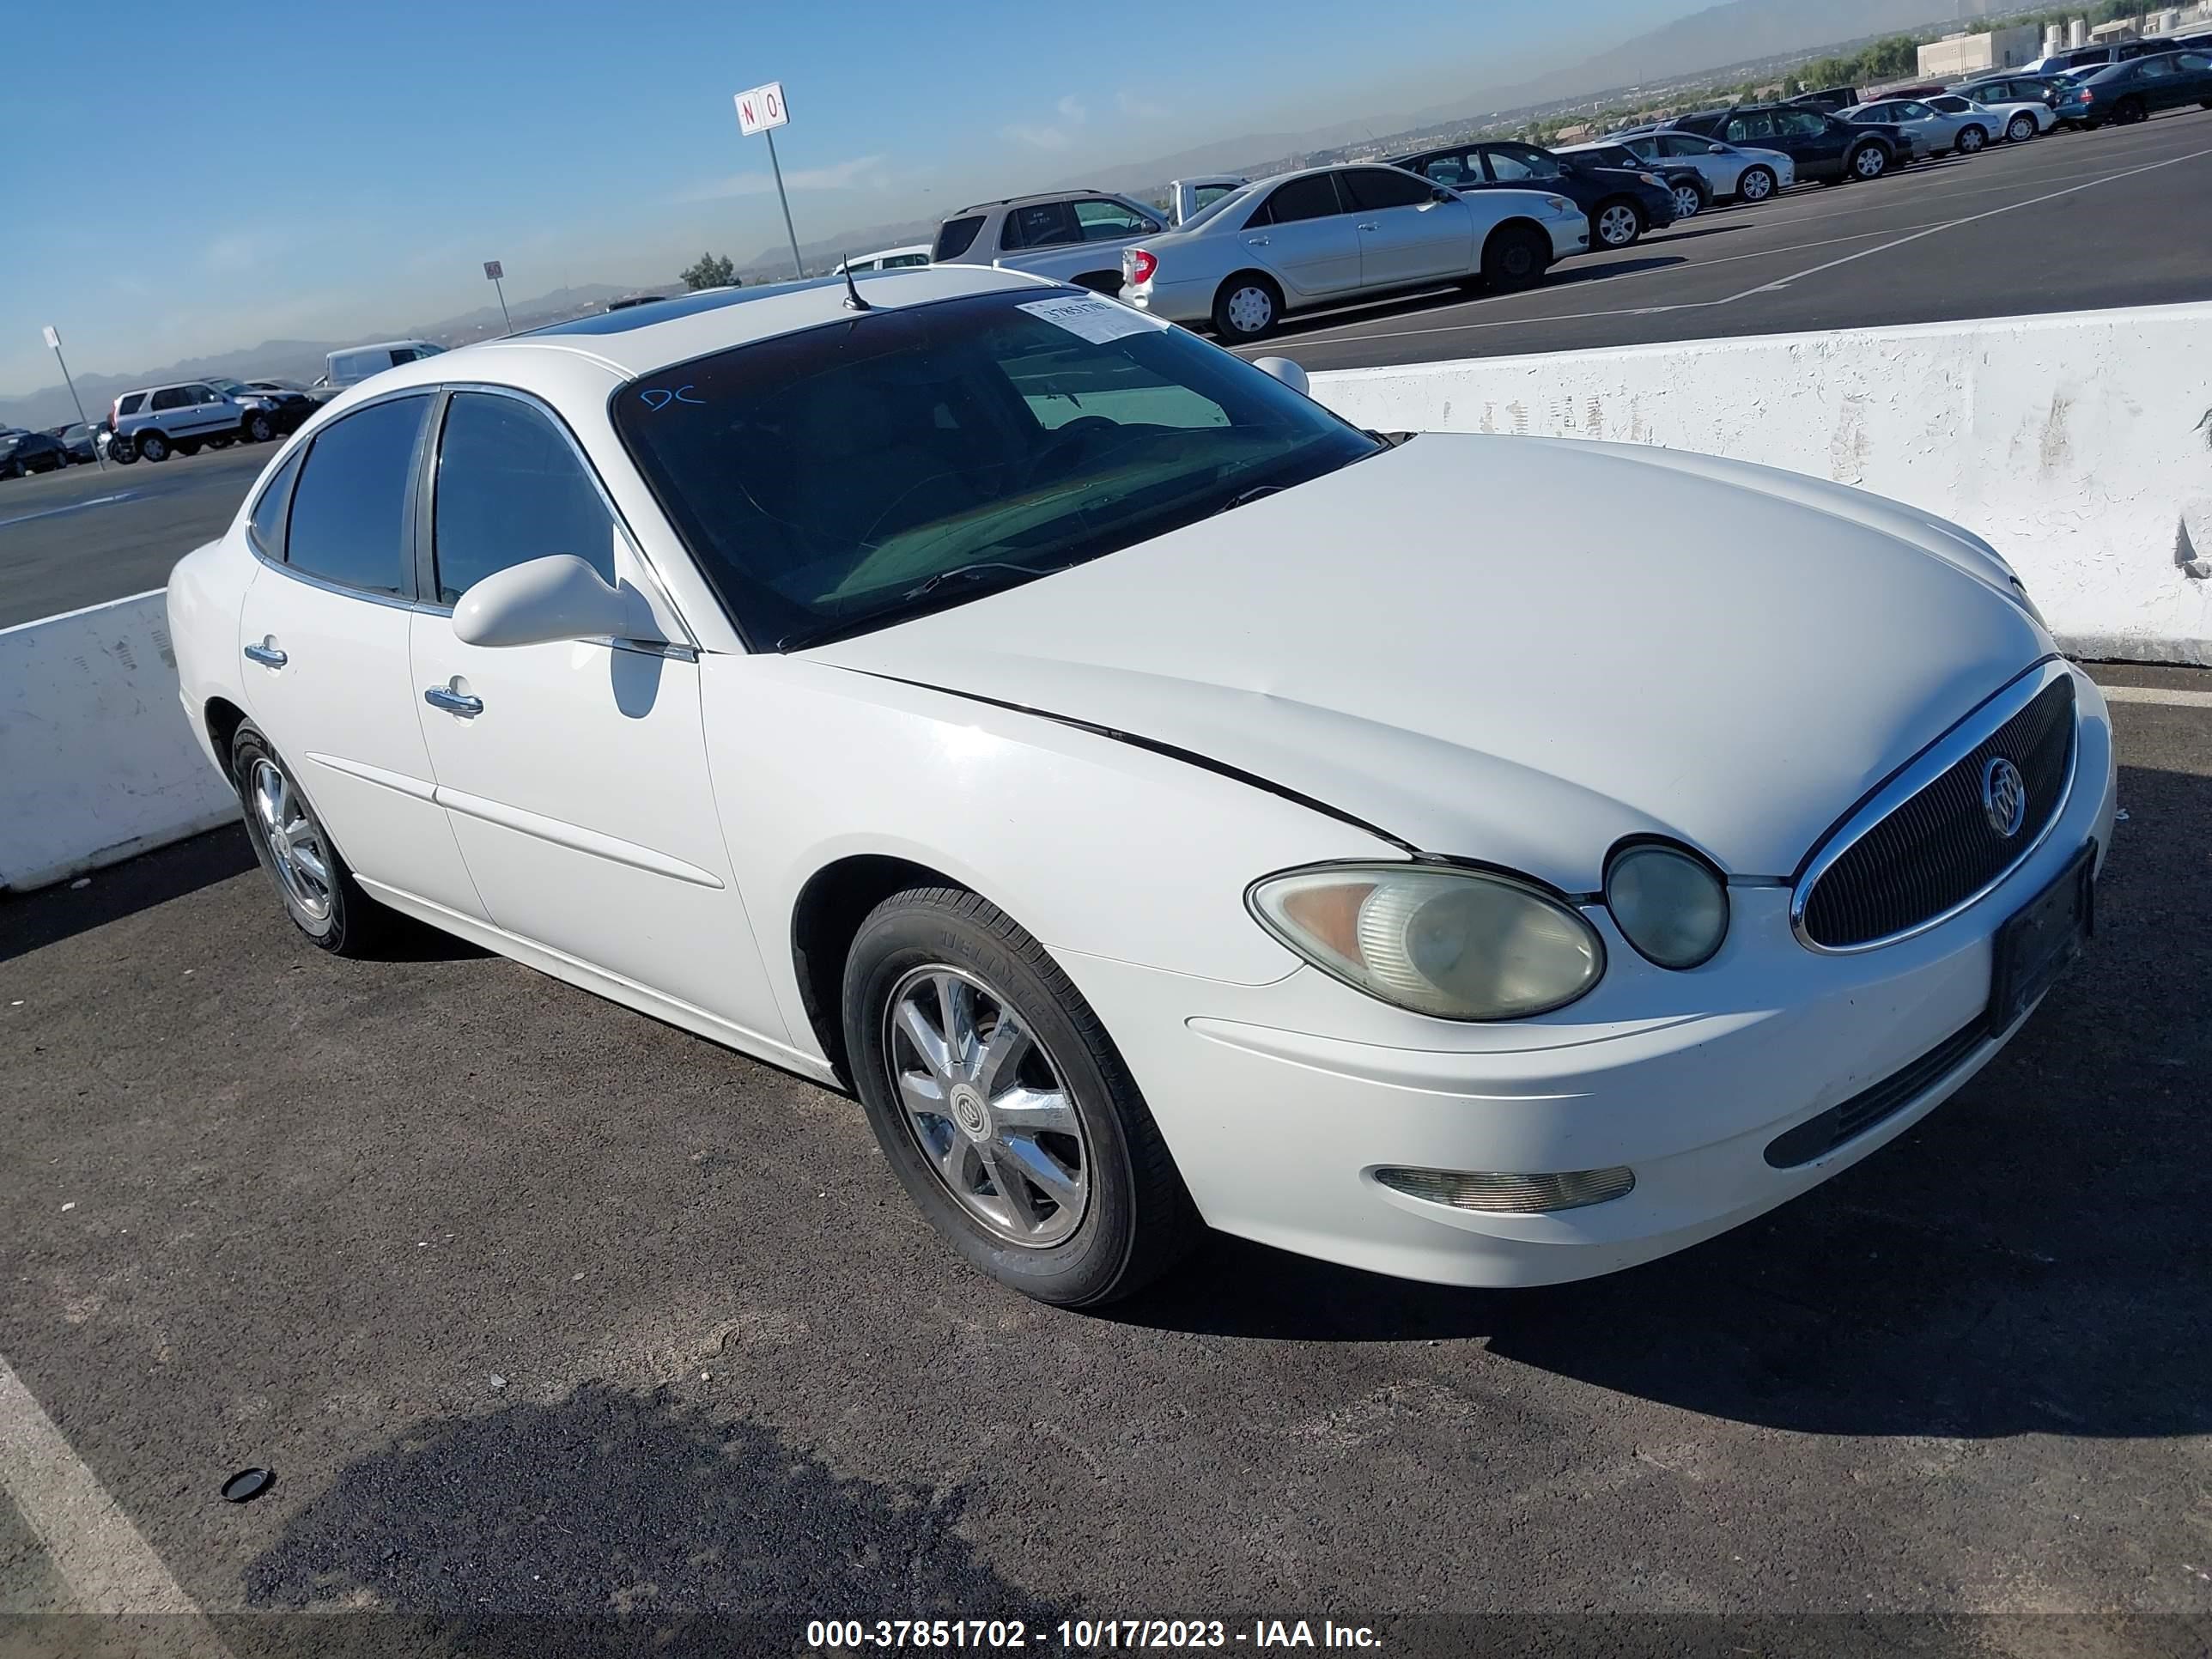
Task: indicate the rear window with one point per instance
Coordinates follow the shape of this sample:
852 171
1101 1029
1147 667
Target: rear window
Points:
956 236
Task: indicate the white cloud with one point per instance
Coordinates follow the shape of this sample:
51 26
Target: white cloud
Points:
1144 109
1071 109
862 173
1036 138
240 249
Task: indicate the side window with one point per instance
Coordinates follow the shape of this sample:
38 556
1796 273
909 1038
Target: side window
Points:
403 355
1800 122
510 489
1373 189
1453 170
1105 221
171 396
1517 165
1737 131
2194 62
1311 197
266 525
1041 224
2155 69
348 523
131 405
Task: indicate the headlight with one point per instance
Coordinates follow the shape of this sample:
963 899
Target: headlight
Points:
1653 180
1561 204
1457 944
1672 906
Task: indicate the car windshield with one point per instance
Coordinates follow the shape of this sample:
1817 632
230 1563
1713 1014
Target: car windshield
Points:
832 481
226 386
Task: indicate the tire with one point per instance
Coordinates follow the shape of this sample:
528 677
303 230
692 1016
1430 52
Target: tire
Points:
2019 129
12 469
1615 224
1092 1208
188 446
2129 111
122 454
329 908
1690 199
1970 141
1868 162
259 429
1247 307
1755 183
151 446
1514 257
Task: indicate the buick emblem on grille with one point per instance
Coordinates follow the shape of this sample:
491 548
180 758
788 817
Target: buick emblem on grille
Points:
2004 797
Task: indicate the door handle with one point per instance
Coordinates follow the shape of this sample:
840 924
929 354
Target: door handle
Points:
453 703
1367 227
1255 241
266 654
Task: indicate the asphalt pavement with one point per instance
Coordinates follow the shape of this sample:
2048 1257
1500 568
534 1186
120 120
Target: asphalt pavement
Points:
2071 221
564 1331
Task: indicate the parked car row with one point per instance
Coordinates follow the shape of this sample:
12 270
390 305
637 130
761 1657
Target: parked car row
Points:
154 422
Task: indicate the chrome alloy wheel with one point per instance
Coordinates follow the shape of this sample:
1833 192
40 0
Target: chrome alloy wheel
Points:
1688 203
1251 308
988 1106
1617 226
293 839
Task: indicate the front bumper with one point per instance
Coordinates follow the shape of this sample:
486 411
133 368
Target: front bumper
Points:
1280 1101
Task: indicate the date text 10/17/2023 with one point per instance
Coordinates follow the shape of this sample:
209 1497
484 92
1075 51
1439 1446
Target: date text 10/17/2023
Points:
1086 1635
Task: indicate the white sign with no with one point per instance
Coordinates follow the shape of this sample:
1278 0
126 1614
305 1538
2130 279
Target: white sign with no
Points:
762 108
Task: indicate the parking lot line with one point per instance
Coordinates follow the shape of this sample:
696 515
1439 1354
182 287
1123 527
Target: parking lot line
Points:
109 1568
73 507
2158 693
1968 219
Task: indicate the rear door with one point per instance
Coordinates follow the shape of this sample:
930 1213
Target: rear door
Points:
324 628
1303 233
2192 73
170 411
1407 234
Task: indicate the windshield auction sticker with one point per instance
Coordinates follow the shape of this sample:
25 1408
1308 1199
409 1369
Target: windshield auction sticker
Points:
1096 321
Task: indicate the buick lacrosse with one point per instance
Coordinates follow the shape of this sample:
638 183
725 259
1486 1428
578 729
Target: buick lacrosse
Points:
1163 805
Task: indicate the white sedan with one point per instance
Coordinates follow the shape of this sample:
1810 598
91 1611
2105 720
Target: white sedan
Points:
1329 235
1161 802
2016 121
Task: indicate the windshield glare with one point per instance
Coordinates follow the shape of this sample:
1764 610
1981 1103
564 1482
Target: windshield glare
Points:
826 481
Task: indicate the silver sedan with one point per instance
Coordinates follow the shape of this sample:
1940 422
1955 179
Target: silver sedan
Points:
1731 172
1936 131
1324 235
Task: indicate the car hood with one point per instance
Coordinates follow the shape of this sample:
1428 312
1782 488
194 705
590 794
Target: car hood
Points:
1518 649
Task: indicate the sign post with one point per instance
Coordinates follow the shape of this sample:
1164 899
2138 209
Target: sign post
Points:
495 271
54 339
763 111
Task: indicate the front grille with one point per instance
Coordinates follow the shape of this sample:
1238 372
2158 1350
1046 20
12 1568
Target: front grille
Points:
1938 850
1817 1137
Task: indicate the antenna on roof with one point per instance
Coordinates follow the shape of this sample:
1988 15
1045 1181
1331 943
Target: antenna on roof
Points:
853 300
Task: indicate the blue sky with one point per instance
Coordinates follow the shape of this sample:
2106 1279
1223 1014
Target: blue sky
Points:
210 175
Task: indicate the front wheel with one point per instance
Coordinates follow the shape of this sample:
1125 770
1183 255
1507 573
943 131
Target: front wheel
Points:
2019 129
1970 139
1248 308
1002 1106
153 447
318 888
259 429
1689 200
1756 184
122 454
1616 225
1869 162
2131 110
1514 257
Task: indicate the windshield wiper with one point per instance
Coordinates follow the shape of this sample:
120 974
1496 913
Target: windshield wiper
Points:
961 572
1252 494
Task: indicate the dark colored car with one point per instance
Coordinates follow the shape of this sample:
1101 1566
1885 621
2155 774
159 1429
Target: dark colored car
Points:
1823 147
2137 90
76 439
1830 99
30 452
1692 194
287 408
1621 205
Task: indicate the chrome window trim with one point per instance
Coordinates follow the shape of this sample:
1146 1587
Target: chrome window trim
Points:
1939 758
691 640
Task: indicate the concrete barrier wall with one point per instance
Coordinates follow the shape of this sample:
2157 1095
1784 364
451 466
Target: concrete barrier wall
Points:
2080 444
97 760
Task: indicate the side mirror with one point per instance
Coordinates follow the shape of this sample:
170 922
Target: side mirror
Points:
557 598
1283 369
1717 150
1440 194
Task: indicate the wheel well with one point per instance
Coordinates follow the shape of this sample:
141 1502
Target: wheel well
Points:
1251 274
1099 282
1528 226
831 907
223 720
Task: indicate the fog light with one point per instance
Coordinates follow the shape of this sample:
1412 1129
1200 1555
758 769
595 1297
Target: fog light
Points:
1510 1194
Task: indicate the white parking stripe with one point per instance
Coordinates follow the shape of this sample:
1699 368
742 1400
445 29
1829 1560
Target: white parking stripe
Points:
109 1569
2156 694
73 507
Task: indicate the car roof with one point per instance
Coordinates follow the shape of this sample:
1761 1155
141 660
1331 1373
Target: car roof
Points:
642 338
381 345
1037 196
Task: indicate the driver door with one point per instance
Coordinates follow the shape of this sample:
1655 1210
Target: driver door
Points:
1406 233
573 773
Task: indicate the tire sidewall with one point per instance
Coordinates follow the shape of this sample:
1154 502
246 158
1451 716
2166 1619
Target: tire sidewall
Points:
1227 330
329 933
1766 191
908 934
1493 261
151 447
